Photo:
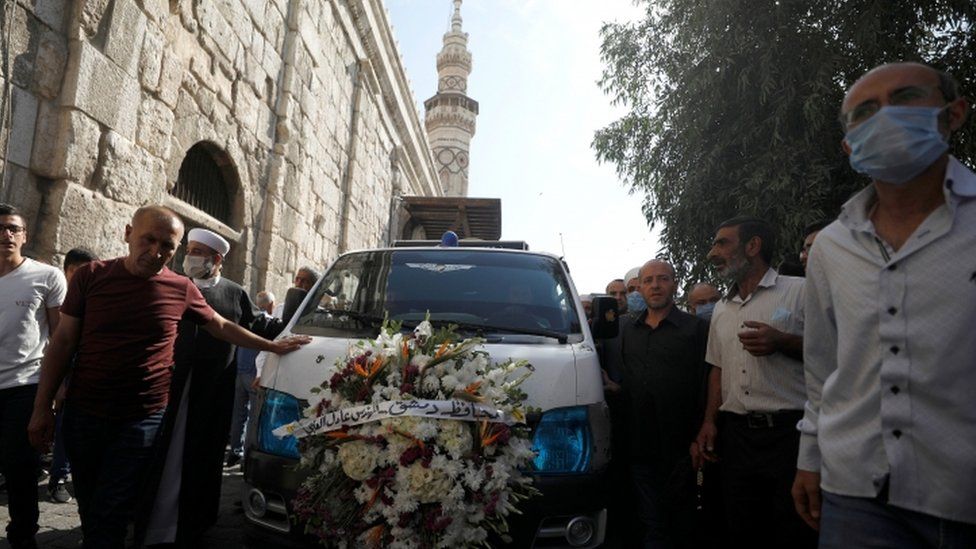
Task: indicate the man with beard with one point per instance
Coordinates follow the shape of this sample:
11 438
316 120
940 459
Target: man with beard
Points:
618 290
755 388
663 375
190 455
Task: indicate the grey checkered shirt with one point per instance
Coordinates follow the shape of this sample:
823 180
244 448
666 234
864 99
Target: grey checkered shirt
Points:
890 357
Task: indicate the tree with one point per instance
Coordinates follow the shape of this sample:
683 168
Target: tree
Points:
733 105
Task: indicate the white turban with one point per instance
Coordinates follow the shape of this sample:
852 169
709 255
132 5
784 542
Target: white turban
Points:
210 239
633 273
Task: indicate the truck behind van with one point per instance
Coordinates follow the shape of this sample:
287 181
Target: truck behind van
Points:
525 307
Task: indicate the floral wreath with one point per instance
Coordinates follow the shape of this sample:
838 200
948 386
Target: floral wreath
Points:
415 440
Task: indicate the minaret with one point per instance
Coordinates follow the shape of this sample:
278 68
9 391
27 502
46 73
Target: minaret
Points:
451 113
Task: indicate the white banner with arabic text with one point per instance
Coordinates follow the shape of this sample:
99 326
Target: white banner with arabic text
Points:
436 409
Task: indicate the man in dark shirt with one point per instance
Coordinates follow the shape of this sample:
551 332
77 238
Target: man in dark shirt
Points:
663 381
121 316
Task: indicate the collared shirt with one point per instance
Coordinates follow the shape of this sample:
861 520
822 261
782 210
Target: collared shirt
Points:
890 350
663 378
758 383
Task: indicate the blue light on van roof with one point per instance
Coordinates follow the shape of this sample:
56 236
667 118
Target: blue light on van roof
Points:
563 441
449 240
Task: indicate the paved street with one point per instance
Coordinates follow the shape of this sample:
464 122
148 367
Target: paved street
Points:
61 529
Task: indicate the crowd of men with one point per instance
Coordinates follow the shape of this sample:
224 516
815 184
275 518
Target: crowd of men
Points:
778 411
138 376
828 401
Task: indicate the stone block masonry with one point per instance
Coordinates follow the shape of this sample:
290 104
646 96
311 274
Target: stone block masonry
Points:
285 125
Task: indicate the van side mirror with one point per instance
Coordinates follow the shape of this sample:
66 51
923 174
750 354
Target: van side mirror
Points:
293 299
605 321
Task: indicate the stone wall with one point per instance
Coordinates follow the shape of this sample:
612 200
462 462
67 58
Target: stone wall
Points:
303 105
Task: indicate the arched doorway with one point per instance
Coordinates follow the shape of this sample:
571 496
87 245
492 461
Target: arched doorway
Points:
208 194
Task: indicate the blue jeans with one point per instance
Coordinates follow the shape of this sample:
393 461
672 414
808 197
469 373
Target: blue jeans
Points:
19 462
855 523
109 459
243 404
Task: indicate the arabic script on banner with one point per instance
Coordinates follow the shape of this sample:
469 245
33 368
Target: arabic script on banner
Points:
436 409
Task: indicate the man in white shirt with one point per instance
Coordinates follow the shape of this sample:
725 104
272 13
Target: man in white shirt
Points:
889 431
30 298
755 388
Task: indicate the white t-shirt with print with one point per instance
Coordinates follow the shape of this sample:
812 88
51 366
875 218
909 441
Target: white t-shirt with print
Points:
25 295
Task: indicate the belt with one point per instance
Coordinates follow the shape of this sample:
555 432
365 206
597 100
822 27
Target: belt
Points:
765 420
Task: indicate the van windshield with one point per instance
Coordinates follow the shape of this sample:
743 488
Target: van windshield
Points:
486 291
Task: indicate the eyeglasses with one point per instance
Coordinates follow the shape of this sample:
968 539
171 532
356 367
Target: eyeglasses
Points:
901 96
12 229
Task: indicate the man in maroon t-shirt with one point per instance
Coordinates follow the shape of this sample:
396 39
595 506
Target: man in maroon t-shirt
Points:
120 317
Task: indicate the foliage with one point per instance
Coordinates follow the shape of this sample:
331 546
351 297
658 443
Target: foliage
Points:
733 105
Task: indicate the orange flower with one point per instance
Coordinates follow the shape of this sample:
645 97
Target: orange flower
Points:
376 367
473 388
339 435
441 350
374 536
487 437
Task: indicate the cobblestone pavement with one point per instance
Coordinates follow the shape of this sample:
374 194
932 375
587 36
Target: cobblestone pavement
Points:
61 528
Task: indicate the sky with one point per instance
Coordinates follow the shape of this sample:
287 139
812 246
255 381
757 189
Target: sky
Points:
535 72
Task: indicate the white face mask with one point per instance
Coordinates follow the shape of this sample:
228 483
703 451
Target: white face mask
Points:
195 266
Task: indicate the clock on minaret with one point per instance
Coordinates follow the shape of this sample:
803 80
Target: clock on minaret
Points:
451 113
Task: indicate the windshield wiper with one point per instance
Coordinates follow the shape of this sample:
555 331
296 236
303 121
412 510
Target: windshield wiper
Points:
481 329
365 318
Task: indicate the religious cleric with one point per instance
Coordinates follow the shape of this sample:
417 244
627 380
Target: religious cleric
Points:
184 495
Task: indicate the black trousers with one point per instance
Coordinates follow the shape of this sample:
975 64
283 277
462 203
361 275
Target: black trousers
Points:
758 468
19 462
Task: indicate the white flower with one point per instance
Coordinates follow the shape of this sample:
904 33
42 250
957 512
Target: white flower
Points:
454 437
423 330
449 382
420 360
358 459
431 383
427 484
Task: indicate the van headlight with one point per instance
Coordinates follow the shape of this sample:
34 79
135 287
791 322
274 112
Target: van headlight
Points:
563 441
278 409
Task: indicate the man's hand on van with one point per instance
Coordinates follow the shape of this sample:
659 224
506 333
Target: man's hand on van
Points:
288 344
609 386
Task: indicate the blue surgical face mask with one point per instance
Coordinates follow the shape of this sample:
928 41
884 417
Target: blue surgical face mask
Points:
897 143
705 311
635 302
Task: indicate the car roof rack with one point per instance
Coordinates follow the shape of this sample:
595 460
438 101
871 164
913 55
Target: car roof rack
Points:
464 243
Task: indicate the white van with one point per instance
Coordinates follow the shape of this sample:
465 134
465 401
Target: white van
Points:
523 303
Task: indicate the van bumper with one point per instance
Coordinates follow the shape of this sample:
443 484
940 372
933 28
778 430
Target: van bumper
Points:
571 512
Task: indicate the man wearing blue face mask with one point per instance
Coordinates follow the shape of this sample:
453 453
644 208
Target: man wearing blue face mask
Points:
888 434
702 299
635 301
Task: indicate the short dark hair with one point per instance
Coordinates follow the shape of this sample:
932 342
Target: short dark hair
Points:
815 226
310 272
620 280
78 256
947 85
10 209
750 227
